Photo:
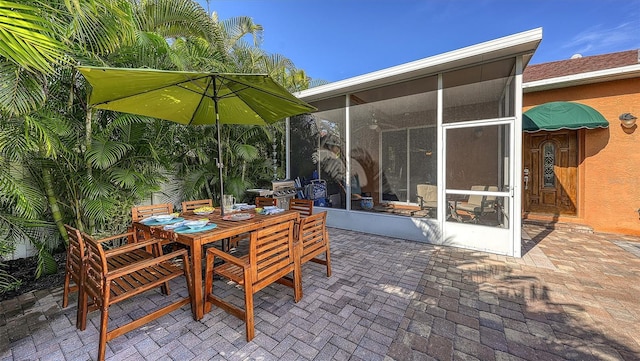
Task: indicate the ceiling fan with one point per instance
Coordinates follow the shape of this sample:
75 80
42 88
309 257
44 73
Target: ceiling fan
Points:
377 124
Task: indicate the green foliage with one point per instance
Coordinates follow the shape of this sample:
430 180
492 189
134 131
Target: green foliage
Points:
63 163
7 281
46 263
27 39
22 91
105 153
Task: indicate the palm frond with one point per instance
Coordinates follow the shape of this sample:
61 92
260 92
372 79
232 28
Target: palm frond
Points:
13 143
7 281
96 187
43 235
101 26
238 27
26 199
245 151
126 178
27 39
175 19
22 92
46 263
100 209
105 153
46 129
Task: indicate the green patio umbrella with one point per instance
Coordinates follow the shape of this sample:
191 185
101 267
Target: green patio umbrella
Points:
193 98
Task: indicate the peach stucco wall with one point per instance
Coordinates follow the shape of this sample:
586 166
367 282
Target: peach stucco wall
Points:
609 174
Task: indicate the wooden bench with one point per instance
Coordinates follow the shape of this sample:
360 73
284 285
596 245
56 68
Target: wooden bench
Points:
272 256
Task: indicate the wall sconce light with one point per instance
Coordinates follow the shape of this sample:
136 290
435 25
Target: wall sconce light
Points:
478 132
627 120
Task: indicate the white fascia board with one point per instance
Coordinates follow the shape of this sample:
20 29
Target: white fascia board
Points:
625 72
521 43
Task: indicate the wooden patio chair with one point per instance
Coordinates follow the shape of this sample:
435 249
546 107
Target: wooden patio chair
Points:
272 256
107 286
141 212
265 201
76 255
313 238
303 206
189 206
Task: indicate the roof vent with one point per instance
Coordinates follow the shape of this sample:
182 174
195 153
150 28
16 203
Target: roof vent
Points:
576 56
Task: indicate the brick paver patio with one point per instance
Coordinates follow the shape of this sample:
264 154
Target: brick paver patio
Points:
573 296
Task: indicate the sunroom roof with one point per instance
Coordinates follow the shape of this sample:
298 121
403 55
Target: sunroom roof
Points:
524 43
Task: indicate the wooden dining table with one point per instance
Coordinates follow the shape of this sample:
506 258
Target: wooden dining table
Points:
224 230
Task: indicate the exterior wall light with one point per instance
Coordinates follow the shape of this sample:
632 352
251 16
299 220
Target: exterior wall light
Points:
627 120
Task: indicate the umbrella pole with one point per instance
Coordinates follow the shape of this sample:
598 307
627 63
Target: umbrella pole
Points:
219 159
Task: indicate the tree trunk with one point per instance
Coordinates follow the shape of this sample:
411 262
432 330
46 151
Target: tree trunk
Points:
53 204
87 147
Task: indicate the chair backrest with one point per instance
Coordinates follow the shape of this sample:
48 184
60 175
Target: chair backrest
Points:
141 212
75 253
265 201
95 270
312 235
271 253
486 202
188 206
428 192
302 206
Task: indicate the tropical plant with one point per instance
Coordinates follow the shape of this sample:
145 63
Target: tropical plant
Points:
61 162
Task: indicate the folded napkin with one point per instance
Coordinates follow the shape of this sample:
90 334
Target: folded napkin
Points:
173 226
244 207
273 211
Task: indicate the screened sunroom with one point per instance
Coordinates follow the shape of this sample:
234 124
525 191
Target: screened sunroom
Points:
427 151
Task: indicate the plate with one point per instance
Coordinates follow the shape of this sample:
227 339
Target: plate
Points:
173 226
185 229
154 222
238 217
196 223
202 211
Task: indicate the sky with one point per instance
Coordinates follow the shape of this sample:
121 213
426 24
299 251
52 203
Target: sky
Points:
333 40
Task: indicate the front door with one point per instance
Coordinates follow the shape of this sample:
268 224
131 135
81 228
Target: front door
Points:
550 168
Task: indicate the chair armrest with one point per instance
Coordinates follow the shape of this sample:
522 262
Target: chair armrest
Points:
227 257
145 263
131 246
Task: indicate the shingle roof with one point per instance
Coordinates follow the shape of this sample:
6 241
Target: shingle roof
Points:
585 64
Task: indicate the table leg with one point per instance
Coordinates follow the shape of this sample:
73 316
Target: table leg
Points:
196 267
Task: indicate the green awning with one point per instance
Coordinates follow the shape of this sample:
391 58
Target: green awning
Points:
562 115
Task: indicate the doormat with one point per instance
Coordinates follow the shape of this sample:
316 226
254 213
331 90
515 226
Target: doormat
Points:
633 247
